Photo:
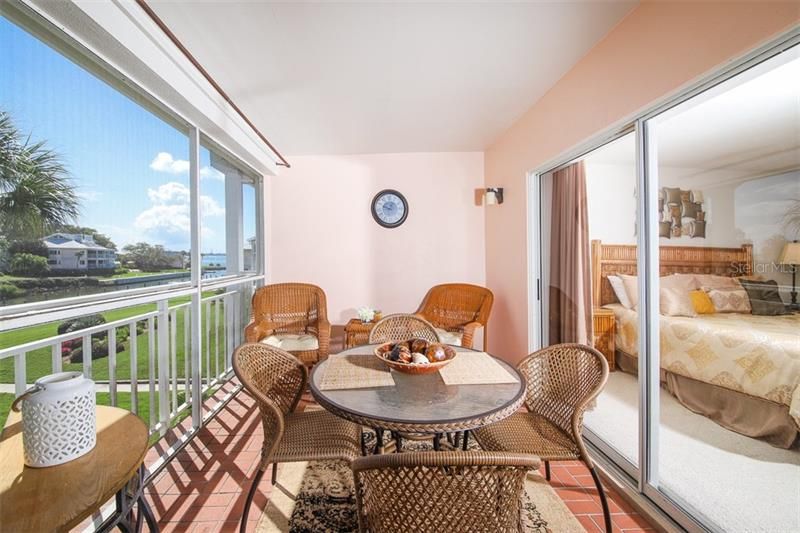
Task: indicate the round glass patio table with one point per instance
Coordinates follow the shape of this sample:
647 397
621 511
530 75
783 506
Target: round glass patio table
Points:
420 403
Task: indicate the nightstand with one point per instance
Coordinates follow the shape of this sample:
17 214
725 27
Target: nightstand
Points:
356 333
604 334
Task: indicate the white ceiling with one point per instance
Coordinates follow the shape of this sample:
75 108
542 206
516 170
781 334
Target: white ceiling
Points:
748 126
336 78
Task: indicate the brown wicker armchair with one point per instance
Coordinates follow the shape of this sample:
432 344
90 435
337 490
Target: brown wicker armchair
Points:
441 491
402 327
458 308
277 379
562 381
293 317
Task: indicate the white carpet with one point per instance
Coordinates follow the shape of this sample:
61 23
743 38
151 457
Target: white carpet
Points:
736 483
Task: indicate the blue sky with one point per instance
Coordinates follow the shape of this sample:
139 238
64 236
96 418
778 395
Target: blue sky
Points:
129 166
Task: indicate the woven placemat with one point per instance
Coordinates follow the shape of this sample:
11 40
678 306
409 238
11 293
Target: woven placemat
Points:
355 371
475 368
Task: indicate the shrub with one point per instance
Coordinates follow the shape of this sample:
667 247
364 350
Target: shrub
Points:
25 264
9 291
28 247
99 349
76 324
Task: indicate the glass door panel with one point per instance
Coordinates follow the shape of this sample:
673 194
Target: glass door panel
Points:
726 171
590 296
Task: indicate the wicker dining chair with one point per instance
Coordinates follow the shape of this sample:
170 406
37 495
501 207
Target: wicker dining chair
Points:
460 309
277 379
402 327
562 381
441 491
293 317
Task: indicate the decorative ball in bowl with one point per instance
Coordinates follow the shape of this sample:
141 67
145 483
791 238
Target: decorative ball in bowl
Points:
415 356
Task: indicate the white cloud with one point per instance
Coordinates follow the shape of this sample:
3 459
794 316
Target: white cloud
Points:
168 220
211 173
165 162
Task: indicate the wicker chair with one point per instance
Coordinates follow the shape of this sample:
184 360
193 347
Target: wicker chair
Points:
458 308
277 379
562 381
441 491
401 327
291 309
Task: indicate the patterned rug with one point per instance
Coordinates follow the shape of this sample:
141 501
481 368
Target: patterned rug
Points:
319 497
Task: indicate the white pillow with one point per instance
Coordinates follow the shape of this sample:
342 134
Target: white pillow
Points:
449 337
619 289
718 282
675 302
631 289
687 282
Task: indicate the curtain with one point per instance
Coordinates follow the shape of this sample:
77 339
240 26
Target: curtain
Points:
570 261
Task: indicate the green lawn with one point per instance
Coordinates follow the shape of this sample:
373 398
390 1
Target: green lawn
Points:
39 362
140 273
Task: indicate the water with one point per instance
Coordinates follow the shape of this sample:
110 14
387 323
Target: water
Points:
213 266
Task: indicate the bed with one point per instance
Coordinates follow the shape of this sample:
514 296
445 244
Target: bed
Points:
742 371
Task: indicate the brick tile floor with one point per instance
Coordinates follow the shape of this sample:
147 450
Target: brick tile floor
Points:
203 489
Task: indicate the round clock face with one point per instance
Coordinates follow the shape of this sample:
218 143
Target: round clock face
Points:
389 208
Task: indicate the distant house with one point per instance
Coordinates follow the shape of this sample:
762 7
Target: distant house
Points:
71 251
249 255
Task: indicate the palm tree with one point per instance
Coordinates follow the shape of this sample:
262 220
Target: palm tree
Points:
36 192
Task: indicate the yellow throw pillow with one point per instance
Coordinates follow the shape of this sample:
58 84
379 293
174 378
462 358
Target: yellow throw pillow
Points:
702 303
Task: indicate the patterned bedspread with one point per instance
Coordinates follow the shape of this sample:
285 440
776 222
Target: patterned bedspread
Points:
757 355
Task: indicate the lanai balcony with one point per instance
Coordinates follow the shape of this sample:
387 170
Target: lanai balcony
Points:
190 187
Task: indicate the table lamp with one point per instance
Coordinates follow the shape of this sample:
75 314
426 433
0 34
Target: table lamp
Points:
791 256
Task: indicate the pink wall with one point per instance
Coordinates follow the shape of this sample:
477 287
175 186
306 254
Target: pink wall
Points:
658 48
321 231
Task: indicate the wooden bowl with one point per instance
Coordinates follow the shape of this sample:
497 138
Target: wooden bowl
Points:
414 368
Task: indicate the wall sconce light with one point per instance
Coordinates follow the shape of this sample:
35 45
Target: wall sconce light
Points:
489 196
494 196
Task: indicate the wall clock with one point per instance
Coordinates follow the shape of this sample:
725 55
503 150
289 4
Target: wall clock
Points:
389 208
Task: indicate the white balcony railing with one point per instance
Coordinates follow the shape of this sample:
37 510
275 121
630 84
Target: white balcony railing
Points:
150 367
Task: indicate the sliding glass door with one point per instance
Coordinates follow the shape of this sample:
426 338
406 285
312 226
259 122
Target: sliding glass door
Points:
672 249
724 172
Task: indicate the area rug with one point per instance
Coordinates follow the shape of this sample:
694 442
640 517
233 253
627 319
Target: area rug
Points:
318 496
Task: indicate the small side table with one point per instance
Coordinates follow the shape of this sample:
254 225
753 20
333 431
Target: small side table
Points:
59 498
356 333
604 334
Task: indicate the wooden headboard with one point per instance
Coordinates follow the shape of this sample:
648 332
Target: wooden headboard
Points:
621 259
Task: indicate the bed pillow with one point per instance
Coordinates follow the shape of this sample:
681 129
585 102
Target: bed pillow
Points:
631 288
764 298
729 300
711 281
619 289
702 303
687 282
676 302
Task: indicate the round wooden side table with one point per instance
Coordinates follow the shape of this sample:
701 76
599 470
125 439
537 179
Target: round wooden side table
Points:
59 498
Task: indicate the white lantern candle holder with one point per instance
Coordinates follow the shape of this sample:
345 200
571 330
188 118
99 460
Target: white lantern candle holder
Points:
59 419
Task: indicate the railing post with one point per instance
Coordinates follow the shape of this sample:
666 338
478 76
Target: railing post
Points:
56 357
173 358
163 332
134 351
87 356
197 295
112 365
19 373
151 368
